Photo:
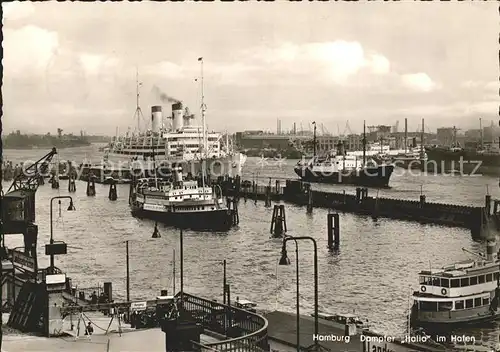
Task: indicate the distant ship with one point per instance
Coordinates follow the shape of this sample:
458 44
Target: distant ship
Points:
341 168
480 158
459 294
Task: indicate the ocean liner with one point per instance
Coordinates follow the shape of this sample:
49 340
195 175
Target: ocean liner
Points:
463 293
341 168
172 138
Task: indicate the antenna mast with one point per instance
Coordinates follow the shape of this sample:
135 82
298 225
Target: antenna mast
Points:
203 109
138 112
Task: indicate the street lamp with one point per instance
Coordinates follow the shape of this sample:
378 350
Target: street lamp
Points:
71 207
285 261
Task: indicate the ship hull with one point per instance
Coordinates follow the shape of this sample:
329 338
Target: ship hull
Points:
376 176
231 164
443 161
122 171
212 220
442 321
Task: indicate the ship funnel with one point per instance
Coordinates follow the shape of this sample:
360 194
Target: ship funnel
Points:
156 117
177 116
177 173
490 249
187 117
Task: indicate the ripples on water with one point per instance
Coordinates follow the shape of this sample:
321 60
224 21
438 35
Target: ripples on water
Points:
372 274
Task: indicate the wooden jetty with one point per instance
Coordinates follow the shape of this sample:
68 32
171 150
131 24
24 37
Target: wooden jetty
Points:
300 193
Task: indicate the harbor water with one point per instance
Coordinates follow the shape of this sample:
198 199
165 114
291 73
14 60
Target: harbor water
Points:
377 265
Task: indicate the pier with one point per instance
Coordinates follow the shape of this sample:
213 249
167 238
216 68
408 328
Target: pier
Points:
363 203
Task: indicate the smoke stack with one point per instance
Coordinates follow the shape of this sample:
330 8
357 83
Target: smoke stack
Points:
156 117
187 118
177 116
490 249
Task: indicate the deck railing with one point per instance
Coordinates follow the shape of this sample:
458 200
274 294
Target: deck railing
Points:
246 331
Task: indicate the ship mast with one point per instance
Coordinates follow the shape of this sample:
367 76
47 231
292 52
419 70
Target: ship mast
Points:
364 143
203 109
481 131
138 112
314 140
422 140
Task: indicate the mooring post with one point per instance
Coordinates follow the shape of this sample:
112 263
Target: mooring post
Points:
487 204
333 220
422 201
278 221
55 182
268 196
358 194
278 187
91 187
309 200
365 193
71 184
112 191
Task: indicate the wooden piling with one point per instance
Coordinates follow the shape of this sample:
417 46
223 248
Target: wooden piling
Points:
112 191
278 221
91 186
487 204
71 184
333 222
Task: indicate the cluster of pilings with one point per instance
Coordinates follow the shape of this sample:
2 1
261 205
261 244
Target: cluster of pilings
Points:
279 226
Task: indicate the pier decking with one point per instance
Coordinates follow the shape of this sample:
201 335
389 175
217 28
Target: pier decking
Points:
300 193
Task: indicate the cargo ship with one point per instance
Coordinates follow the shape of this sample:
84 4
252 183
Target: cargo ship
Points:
341 168
478 158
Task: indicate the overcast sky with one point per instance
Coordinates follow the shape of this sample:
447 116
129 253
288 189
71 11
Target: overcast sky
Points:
73 65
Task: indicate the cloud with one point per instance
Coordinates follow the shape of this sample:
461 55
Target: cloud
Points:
166 69
17 10
418 81
28 50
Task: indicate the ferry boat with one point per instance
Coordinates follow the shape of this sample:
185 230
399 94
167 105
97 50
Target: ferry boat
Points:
181 203
463 293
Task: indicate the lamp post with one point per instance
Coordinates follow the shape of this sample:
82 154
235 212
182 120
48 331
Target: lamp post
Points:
182 266
71 207
284 260
128 273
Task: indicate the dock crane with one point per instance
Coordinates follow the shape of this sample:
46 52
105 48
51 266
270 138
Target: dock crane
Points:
18 204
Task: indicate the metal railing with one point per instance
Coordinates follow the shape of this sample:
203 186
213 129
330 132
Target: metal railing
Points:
247 331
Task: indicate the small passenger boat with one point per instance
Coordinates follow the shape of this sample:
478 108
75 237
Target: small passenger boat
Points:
463 293
343 319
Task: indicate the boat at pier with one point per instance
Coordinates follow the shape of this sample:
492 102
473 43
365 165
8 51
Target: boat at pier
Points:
181 203
463 293
342 319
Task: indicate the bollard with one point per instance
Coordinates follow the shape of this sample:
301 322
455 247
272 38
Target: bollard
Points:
278 221
91 187
358 194
156 232
278 187
309 200
55 182
422 201
268 196
112 191
344 198
364 194
131 193
71 184
487 204
333 231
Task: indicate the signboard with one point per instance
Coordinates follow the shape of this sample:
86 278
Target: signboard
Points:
23 259
137 306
